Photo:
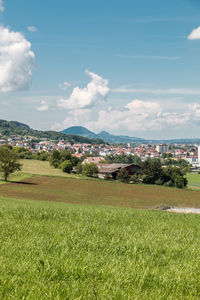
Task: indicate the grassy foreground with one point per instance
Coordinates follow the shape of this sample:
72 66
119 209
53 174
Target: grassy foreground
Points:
58 251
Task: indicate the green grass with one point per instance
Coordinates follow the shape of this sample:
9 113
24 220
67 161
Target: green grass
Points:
59 251
88 192
193 180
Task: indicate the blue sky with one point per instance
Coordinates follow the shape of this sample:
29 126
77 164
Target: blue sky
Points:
127 67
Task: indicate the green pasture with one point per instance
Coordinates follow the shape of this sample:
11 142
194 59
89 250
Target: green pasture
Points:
193 180
61 251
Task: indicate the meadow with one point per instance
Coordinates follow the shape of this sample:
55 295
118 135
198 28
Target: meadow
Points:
58 251
193 180
65 237
99 192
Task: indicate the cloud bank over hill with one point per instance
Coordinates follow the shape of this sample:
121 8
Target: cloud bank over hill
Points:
16 61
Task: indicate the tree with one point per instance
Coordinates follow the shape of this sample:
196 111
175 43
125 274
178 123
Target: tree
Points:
55 159
123 176
174 177
9 162
66 166
90 169
65 155
152 169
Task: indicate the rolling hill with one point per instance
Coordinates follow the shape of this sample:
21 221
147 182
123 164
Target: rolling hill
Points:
13 128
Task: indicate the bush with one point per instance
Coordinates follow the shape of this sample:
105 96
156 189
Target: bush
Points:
90 170
123 176
135 179
107 176
159 182
66 166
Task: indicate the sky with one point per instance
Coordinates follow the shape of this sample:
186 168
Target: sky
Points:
128 67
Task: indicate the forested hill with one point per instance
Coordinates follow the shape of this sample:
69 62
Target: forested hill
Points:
13 128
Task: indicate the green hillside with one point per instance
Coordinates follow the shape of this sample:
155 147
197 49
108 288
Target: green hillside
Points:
13 128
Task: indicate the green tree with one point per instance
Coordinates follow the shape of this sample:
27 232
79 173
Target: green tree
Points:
174 177
90 169
66 166
9 162
65 155
123 176
152 169
55 158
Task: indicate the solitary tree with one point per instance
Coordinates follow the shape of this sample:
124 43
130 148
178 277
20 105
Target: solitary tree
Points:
9 162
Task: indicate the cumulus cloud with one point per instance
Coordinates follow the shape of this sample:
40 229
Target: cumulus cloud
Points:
195 34
1 6
16 61
43 106
96 91
32 28
137 115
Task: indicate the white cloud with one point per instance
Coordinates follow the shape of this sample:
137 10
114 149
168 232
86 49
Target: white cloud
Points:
137 115
96 91
195 34
32 28
16 61
1 6
176 91
43 106
65 85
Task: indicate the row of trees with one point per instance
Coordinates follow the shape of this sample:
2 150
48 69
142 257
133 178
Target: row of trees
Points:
152 172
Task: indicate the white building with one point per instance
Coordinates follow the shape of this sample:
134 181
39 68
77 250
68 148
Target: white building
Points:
162 148
199 154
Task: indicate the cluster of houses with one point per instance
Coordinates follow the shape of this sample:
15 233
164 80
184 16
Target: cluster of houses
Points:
191 153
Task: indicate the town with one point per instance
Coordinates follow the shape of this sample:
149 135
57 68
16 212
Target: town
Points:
187 152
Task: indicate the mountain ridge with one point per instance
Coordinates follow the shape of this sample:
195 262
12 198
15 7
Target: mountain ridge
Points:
110 138
10 128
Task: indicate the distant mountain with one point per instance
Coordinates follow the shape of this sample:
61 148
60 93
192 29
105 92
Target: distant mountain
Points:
107 137
82 131
110 138
114 139
13 128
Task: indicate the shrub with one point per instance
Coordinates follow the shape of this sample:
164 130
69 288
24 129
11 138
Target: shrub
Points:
107 176
159 182
66 166
90 169
135 179
123 176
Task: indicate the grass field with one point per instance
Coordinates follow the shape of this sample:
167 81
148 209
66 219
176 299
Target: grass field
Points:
81 240
193 180
89 192
41 168
58 251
